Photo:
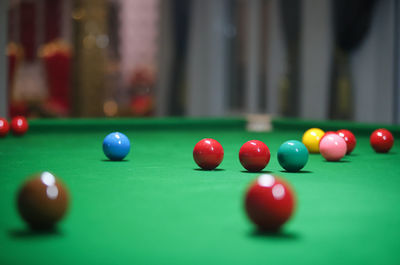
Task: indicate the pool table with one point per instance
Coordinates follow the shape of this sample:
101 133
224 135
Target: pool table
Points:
158 207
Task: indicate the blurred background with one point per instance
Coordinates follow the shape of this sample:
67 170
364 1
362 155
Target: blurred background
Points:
311 59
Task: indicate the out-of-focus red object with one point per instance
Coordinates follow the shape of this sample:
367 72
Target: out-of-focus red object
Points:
142 82
15 55
142 105
143 77
19 125
56 57
18 108
27 28
52 19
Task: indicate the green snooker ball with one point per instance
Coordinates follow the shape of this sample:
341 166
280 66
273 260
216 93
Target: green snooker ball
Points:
292 155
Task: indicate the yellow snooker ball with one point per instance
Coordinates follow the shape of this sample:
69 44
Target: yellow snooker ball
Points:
311 139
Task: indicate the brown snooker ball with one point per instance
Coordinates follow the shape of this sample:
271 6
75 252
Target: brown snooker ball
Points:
42 201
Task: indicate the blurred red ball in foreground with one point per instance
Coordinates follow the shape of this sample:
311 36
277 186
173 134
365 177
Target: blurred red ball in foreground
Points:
4 127
349 138
19 125
381 140
269 202
254 155
208 154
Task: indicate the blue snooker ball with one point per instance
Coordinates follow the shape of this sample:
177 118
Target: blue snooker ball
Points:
116 146
292 155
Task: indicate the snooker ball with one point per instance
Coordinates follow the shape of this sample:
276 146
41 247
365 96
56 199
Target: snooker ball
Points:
269 202
254 155
208 154
116 146
4 127
19 125
311 139
333 147
292 155
328 133
42 201
381 140
349 138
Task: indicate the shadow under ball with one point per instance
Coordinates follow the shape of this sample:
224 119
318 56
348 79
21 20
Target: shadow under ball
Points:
42 201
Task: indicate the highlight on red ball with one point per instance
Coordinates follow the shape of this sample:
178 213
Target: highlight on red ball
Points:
269 202
208 154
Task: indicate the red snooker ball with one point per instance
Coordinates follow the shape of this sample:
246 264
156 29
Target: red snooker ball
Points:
327 133
208 154
4 127
254 155
381 140
19 125
269 202
349 138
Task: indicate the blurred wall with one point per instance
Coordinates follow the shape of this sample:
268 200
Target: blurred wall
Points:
137 34
397 63
373 66
281 78
3 68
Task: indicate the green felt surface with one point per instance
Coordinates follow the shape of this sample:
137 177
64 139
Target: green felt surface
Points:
158 208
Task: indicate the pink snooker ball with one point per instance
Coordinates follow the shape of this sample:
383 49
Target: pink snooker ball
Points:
333 147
